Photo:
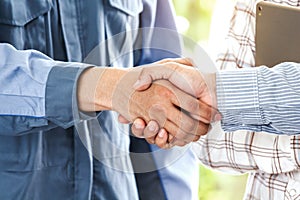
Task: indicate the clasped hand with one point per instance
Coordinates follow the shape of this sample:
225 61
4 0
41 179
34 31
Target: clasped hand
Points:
180 108
169 102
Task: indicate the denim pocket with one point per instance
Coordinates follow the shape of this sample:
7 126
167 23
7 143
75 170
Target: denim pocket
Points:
132 7
23 24
19 13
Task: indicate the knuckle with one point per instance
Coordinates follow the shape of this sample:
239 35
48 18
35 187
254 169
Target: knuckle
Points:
189 139
181 143
209 114
208 111
166 60
179 135
192 105
184 137
196 138
203 129
174 65
189 125
143 72
198 92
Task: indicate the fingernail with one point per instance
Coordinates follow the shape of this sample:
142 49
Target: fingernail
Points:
218 117
161 133
137 84
138 126
152 126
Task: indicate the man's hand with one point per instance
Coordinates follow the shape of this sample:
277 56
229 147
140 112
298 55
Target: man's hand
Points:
171 108
187 79
183 74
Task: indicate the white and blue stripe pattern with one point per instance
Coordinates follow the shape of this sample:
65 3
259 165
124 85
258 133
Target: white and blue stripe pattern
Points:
260 99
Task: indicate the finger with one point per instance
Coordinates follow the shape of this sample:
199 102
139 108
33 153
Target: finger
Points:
190 62
163 69
123 120
172 141
206 113
176 142
161 140
179 134
182 120
151 73
183 61
196 138
188 79
198 109
202 129
151 129
215 116
150 140
170 138
138 127
144 81
185 78
172 114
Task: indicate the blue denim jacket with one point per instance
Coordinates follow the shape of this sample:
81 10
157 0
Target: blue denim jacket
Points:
41 154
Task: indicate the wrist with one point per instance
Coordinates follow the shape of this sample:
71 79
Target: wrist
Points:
237 95
96 86
106 87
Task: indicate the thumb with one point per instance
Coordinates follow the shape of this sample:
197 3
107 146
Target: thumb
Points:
152 73
144 82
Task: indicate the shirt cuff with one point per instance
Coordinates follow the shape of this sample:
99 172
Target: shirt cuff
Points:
238 98
61 93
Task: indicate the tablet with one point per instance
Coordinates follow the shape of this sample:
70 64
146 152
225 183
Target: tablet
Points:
277 37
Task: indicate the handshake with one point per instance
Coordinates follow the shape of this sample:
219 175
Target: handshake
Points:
170 103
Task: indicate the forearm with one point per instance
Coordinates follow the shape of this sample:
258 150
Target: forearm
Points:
96 87
36 92
260 99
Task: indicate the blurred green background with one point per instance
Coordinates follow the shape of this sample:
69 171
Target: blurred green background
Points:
198 14
194 17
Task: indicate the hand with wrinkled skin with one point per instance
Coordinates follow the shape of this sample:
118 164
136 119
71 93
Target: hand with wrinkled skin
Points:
187 79
171 108
162 102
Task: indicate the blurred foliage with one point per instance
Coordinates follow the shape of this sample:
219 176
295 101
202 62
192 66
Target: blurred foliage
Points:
198 13
219 186
213 185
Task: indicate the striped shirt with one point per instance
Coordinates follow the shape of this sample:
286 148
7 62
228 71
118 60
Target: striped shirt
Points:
261 99
265 100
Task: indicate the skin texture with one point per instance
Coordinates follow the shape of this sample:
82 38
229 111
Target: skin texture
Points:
160 103
187 79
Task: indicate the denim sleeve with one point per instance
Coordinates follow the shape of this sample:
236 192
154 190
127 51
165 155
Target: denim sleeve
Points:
61 93
36 92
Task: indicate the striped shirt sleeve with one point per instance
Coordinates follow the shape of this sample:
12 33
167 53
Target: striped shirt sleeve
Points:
260 99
